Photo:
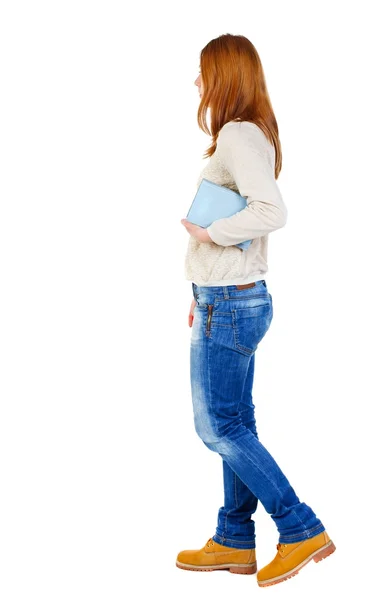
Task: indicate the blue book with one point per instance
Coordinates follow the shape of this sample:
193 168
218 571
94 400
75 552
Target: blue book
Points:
212 202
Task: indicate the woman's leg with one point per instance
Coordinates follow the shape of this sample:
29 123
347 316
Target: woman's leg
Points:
227 328
234 518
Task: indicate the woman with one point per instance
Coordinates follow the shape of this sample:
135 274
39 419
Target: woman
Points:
230 314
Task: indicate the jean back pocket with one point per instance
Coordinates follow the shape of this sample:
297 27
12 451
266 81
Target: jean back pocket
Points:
250 324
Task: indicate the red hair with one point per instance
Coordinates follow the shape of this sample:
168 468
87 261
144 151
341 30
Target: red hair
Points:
234 89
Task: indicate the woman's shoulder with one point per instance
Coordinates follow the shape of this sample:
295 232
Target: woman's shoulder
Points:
239 131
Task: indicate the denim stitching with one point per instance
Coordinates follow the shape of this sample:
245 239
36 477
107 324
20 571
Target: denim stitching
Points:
240 348
211 413
225 523
234 541
305 533
253 296
231 509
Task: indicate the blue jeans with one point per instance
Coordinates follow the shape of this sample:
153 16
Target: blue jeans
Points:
228 325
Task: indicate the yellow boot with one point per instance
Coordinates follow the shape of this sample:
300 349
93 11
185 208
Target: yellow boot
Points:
290 558
215 556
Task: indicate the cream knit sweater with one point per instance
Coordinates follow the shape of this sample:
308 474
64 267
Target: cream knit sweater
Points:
244 160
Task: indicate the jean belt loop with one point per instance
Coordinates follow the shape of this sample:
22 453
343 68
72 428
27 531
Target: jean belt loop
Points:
226 293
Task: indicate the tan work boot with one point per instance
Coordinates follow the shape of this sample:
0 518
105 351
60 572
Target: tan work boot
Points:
290 558
215 556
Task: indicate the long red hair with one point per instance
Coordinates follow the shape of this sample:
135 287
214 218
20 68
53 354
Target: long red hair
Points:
234 88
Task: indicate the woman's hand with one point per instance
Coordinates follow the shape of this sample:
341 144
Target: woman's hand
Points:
200 233
191 315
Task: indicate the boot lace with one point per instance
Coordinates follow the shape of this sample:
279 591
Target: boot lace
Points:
280 548
210 542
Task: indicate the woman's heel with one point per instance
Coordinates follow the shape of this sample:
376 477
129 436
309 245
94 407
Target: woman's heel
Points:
329 549
245 569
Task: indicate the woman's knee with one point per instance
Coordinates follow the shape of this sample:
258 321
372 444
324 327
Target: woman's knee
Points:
205 429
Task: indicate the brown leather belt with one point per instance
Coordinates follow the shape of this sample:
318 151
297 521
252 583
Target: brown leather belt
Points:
243 286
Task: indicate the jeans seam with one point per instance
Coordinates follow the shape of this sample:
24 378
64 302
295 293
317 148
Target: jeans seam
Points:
212 416
229 510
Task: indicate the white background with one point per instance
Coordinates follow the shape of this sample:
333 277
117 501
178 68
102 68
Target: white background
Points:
103 478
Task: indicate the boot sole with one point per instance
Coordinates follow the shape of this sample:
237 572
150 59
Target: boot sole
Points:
247 569
318 555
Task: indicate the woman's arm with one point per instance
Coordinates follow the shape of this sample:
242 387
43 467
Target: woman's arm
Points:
243 151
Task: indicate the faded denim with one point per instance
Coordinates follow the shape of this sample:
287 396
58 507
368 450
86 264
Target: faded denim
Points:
228 325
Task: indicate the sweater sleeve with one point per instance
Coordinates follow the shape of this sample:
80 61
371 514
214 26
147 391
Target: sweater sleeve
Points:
242 150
